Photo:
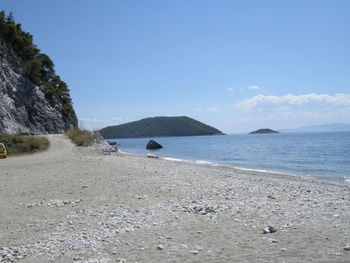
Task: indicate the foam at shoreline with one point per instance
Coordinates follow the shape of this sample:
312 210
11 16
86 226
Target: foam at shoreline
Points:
332 180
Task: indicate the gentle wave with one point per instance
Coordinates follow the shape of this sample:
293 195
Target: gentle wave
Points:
337 180
174 159
312 155
204 162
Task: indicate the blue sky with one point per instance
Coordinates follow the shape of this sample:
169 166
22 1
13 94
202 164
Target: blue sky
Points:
236 65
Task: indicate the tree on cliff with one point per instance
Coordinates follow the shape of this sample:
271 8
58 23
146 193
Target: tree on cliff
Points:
37 66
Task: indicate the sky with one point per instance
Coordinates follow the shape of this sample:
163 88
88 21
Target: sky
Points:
236 65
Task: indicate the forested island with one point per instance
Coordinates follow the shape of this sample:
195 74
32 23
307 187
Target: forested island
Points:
159 127
264 131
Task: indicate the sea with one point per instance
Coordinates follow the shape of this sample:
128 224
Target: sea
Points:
322 156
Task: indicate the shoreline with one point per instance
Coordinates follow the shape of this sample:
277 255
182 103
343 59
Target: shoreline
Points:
74 204
341 181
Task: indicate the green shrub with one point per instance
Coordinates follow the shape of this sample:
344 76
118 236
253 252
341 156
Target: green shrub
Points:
17 139
20 144
34 145
81 137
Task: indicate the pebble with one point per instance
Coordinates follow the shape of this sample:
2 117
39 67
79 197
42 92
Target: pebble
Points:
273 240
269 229
194 252
347 248
160 247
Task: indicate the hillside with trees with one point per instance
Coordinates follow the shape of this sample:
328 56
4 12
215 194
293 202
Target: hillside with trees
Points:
38 67
33 98
159 127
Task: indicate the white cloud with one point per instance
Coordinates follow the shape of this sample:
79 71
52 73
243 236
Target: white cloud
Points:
93 124
261 102
254 87
211 109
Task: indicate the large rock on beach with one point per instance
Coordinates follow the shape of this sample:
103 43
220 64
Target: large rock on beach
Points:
153 145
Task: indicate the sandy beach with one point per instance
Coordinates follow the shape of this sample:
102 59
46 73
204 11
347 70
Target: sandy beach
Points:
72 204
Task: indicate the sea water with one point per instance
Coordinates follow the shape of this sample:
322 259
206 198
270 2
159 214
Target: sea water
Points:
324 156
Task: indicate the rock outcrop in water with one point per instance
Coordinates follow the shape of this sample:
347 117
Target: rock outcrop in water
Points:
153 145
24 107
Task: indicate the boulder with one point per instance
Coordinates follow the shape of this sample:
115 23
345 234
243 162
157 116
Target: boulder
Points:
153 145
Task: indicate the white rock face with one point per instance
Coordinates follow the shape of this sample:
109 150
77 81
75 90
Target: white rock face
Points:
23 106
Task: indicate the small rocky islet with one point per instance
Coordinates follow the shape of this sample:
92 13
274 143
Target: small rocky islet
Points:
264 131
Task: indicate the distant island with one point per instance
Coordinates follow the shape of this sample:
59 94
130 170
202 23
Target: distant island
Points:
263 131
159 127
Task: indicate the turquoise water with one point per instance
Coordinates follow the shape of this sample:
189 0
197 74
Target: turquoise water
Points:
324 156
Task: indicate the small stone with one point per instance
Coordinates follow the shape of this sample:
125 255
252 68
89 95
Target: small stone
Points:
160 247
210 209
120 260
194 252
84 186
266 230
271 197
347 248
272 229
197 209
269 229
283 249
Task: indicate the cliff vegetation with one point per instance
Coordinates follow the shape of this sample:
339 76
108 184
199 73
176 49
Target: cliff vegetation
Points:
38 67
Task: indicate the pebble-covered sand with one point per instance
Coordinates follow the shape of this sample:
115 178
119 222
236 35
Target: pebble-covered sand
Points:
73 204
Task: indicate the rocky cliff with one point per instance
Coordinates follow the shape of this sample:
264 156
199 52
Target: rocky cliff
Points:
23 105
